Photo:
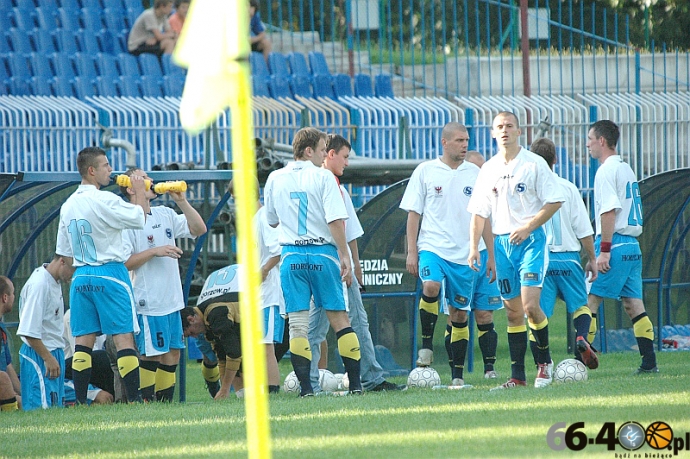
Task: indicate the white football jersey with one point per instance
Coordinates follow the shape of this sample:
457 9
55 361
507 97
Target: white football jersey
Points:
222 285
299 196
440 195
91 225
353 228
157 285
512 194
267 242
41 310
616 188
570 223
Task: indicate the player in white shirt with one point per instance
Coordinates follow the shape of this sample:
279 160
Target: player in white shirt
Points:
440 190
152 261
42 357
517 191
618 212
567 232
101 298
337 159
306 201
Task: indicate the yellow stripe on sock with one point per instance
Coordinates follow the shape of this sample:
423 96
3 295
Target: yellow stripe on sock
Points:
431 308
210 374
643 329
129 363
517 329
582 311
300 346
348 346
459 334
81 361
164 379
540 325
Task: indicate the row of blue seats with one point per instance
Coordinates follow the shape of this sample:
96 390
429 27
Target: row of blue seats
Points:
70 3
323 86
85 65
124 86
60 40
50 18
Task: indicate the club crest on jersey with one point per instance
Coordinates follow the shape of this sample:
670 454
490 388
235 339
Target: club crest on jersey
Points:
150 240
467 191
438 190
168 233
521 187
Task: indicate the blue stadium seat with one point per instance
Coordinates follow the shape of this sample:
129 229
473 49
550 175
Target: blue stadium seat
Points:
106 86
23 18
5 19
131 16
278 87
69 4
86 66
170 68
150 65
317 62
86 42
4 44
151 86
19 66
278 65
300 85
25 4
258 66
260 87
298 64
66 41
4 71
363 86
40 66
93 4
323 86
342 85
91 19
19 40
109 43
62 64
383 87
115 20
3 89
44 41
173 85
62 87
84 87
19 87
40 86
47 18
129 86
107 65
128 65
131 4
69 19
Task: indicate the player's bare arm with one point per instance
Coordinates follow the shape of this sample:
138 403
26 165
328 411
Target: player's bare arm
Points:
608 220
477 225
196 224
546 212
139 259
412 262
356 266
338 232
270 264
488 236
591 269
52 365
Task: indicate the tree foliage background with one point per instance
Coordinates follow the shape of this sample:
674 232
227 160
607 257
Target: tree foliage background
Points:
439 24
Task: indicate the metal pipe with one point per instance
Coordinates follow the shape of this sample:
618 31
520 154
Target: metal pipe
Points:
108 142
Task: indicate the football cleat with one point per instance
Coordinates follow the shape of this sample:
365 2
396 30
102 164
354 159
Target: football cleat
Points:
457 382
425 357
544 374
510 384
589 358
386 386
646 371
491 374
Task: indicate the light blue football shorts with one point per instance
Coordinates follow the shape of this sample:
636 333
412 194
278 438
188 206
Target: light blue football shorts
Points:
624 279
564 278
520 265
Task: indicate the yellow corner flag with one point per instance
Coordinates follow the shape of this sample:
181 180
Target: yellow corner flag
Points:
214 46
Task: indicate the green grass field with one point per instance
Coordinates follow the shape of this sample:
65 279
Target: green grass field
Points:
470 423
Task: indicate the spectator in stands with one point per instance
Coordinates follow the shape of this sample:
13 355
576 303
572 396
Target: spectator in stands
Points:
258 37
151 32
42 357
10 388
178 17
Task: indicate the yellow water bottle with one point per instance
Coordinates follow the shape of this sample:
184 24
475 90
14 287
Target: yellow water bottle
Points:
123 180
179 186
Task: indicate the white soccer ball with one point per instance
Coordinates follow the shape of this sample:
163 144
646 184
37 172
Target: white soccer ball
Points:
291 384
327 381
339 380
345 382
570 370
423 377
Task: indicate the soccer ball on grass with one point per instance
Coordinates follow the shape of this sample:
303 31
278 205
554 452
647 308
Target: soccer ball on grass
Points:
570 370
423 377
